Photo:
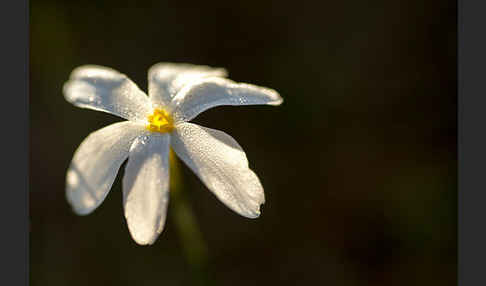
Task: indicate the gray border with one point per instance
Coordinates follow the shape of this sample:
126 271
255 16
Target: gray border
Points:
14 69
471 142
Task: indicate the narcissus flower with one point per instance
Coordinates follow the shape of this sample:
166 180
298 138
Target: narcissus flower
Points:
156 123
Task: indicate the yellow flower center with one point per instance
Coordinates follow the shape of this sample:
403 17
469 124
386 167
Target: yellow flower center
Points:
160 121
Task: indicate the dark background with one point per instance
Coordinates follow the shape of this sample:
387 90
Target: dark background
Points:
358 164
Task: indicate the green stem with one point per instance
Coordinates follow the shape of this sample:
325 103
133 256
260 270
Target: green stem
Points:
192 242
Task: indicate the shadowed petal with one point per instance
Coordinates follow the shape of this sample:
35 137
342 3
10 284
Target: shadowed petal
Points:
95 165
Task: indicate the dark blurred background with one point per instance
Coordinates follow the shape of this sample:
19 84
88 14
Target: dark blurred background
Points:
358 164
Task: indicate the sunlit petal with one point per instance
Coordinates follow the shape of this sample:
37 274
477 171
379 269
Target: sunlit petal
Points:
211 92
104 89
146 187
221 164
166 79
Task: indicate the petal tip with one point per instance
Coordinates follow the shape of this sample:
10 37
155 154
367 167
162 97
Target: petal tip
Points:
144 241
277 101
80 210
254 214
78 205
141 235
65 90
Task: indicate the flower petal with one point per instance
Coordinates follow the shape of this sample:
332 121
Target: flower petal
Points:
166 79
104 89
211 92
146 187
96 163
221 164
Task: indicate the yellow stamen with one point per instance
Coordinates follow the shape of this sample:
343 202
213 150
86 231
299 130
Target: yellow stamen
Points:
160 121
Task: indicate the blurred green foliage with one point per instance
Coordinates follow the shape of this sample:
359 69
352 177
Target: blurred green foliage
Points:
358 164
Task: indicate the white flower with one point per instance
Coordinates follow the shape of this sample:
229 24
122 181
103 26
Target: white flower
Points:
177 94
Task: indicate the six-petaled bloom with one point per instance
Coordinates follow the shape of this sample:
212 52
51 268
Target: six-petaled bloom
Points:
176 94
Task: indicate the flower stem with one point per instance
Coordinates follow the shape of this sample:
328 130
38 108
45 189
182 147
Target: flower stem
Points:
195 249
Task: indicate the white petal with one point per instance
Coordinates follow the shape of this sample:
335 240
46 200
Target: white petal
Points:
211 92
146 187
105 89
96 163
166 79
221 164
